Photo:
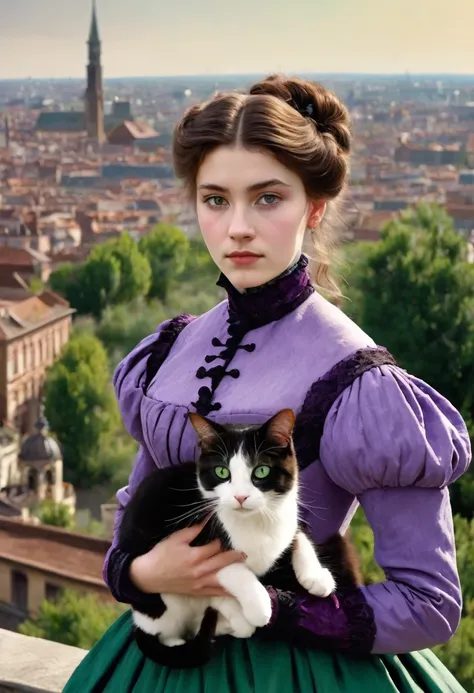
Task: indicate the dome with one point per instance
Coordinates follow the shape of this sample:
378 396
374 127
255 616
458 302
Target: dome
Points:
40 447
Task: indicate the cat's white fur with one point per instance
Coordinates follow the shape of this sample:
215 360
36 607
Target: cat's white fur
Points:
263 526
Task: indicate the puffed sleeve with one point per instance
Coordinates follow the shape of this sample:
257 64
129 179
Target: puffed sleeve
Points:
396 444
131 377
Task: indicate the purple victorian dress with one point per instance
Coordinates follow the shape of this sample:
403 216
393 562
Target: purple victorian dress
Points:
367 433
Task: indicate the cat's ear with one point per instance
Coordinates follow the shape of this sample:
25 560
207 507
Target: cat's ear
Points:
207 431
280 427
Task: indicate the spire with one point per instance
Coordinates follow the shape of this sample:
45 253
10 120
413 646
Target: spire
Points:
94 30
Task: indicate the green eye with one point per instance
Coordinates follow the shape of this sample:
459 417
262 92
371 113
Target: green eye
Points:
261 472
222 472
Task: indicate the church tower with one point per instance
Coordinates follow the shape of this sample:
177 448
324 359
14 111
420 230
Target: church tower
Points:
94 99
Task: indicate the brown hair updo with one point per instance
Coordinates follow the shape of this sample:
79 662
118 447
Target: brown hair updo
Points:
305 126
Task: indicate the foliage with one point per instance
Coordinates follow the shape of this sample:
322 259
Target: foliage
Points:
97 284
165 248
123 326
464 532
134 268
56 514
364 540
413 292
458 653
74 619
415 287
81 408
115 272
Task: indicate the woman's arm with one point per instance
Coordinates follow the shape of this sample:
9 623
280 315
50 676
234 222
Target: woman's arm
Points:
395 444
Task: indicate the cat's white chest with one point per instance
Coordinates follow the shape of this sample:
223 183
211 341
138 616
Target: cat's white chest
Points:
262 542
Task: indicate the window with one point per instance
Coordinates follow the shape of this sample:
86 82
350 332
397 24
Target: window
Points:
20 590
52 592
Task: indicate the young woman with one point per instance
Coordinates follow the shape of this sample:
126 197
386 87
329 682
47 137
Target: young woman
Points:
263 170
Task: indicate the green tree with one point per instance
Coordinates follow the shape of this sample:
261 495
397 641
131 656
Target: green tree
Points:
61 279
464 531
413 292
123 326
81 408
97 284
166 248
56 514
74 619
135 271
115 272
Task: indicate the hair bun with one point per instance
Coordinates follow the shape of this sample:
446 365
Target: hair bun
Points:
313 101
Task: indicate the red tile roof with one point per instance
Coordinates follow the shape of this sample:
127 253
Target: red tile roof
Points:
53 550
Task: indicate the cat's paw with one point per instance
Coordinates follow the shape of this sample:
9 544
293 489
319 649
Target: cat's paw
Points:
257 608
241 628
173 642
321 584
232 621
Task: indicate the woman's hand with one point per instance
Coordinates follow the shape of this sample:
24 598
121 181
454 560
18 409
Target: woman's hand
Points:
175 567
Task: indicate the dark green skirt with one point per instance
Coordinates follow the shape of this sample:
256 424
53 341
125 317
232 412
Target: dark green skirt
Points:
116 665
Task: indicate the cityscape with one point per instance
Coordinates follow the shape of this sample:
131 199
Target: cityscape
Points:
84 162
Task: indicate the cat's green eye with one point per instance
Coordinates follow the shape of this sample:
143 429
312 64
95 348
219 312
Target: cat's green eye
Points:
261 472
222 472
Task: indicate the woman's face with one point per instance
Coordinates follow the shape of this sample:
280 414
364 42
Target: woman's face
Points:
253 213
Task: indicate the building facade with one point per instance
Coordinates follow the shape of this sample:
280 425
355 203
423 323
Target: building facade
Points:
37 562
32 335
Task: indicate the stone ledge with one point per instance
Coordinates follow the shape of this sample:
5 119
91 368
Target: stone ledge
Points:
33 665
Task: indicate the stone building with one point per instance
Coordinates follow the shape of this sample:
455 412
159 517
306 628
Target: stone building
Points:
33 332
32 472
38 561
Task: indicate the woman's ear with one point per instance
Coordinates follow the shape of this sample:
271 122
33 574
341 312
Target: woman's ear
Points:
317 211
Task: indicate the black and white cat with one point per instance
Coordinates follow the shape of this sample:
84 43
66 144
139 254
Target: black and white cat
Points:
246 482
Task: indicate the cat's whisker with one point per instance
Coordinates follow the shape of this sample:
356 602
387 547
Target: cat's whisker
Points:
318 517
223 448
184 490
203 501
194 513
310 506
302 485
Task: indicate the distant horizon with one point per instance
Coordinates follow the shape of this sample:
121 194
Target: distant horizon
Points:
349 75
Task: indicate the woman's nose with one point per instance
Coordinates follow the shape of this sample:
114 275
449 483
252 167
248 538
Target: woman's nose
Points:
240 228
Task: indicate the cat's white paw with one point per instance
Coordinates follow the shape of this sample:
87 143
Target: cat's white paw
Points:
172 642
321 584
257 608
232 621
241 628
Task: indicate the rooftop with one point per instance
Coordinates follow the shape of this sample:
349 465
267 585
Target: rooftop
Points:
43 547
21 317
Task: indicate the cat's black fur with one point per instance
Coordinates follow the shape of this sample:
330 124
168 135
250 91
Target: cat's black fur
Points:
158 508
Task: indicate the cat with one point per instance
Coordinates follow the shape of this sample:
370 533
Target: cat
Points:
246 482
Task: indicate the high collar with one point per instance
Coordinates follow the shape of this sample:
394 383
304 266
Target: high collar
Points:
260 305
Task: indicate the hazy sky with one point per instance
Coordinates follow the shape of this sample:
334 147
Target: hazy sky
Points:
45 38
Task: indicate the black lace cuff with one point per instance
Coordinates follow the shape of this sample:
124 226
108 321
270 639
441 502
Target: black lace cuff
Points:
121 586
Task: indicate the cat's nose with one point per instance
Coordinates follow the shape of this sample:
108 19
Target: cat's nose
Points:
241 499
